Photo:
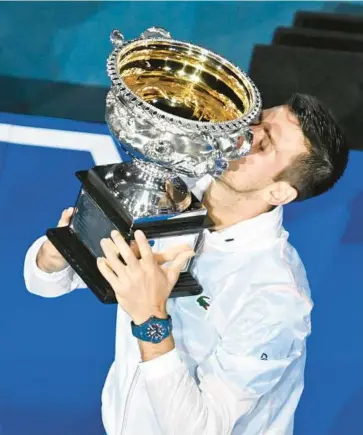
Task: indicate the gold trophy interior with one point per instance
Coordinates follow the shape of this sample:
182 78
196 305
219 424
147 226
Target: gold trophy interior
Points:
185 81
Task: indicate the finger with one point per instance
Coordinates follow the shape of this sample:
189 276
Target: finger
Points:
112 255
179 262
65 217
163 256
124 249
107 273
135 249
171 253
146 252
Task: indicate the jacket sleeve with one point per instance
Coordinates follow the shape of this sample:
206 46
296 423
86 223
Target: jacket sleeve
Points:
265 338
44 284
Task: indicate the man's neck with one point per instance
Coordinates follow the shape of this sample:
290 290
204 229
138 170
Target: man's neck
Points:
227 207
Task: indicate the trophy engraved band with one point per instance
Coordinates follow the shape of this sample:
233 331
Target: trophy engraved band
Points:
178 111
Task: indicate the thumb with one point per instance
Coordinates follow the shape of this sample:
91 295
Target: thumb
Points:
171 253
178 263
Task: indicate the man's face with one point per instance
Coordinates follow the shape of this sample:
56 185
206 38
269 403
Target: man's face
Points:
277 140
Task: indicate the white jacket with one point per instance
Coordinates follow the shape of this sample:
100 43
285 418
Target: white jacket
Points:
238 366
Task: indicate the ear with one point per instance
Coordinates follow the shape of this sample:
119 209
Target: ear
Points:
280 193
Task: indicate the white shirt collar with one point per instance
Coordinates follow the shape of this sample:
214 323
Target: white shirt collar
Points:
267 224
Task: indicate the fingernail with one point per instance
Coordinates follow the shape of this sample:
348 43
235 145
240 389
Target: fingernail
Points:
114 233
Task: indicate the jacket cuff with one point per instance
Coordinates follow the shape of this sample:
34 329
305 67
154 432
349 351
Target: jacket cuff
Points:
162 365
50 277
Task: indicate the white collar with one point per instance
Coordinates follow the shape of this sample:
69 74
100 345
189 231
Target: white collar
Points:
262 230
269 223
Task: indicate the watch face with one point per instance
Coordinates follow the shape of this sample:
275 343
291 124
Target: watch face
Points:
155 331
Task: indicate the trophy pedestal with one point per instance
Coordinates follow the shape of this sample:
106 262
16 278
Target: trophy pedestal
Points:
98 211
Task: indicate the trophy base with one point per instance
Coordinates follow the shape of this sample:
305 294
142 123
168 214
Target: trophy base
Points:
84 264
98 212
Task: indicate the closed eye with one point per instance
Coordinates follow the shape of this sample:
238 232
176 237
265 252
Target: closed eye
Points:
262 145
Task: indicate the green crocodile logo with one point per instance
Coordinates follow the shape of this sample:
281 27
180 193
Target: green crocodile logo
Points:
202 301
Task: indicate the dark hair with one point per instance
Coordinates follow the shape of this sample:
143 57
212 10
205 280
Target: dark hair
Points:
316 171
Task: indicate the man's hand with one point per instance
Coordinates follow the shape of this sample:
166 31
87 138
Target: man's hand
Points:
49 259
142 285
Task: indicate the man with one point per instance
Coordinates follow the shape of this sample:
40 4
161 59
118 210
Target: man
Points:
234 361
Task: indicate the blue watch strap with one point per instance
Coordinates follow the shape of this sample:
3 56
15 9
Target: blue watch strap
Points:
154 330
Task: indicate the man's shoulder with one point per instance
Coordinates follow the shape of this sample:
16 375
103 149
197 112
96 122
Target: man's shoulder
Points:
278 263
273 278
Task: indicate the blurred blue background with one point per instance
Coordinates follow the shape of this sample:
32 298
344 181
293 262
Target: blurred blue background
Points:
54 354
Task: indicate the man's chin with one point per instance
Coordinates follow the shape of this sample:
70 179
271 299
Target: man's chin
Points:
223 179
228 183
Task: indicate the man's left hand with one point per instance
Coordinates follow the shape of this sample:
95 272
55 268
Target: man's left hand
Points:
142 285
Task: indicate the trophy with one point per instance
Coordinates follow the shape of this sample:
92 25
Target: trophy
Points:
179 112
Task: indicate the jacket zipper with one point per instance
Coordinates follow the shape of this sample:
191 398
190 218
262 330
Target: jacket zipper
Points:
128 399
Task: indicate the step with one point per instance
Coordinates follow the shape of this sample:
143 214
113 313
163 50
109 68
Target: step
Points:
334 77
320 39
329 21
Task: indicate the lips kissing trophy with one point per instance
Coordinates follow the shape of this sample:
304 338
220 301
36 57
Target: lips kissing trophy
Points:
178 111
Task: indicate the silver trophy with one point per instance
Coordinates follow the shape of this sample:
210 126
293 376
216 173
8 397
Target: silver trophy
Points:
179 112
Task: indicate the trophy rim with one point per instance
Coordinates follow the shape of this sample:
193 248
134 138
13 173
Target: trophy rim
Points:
212 127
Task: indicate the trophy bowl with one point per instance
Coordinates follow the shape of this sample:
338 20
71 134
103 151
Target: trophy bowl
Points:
177 110
179 105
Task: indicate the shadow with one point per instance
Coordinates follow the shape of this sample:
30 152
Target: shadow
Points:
3 155
354 231
52 99
348 421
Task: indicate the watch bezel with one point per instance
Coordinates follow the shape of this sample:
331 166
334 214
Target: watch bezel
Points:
141 331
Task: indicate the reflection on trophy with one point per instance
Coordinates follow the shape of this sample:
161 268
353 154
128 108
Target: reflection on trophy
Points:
178 110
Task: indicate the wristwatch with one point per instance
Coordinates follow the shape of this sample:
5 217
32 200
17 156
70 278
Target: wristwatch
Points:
154 330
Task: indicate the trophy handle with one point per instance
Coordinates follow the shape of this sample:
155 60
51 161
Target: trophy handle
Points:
117 38
155 32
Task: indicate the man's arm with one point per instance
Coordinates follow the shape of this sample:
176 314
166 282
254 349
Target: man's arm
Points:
46 272
150 351
236 376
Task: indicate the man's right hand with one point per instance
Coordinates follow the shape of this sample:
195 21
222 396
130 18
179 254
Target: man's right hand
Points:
49 259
